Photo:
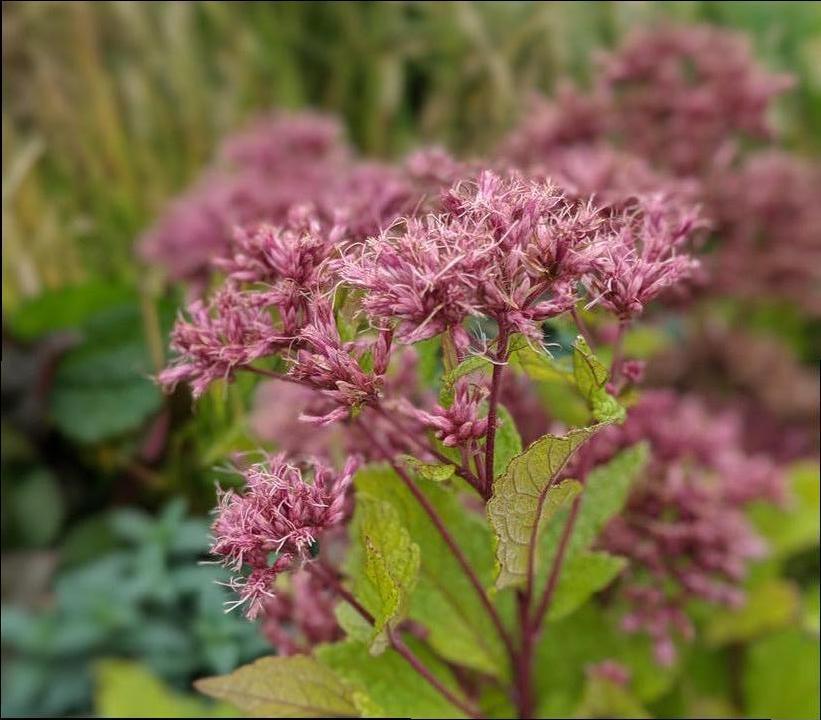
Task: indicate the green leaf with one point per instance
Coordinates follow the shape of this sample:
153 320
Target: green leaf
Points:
508 441
796 526
591 378
604 698
468 365
127 689
297 686
38 507
387 686
541 366
590 635
103 388
444 600
524 499
436 472
770 605
391 566
66 308
781 676
583 575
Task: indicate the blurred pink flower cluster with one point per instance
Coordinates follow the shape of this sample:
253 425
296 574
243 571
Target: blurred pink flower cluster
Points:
672 111
684 529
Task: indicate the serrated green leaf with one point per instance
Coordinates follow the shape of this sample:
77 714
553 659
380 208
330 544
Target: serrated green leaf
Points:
390 566
524 500
127 689
297 686
508 441
467 366
584 574
781 677
591 378
769 605
444 601
387 686
436 472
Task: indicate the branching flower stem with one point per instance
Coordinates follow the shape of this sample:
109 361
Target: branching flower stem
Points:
438 523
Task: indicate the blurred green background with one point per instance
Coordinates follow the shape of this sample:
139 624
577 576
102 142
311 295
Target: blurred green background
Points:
111 108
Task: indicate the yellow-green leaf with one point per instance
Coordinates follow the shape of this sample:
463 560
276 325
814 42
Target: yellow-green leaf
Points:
524 498
591 379
770 604
125 688
297 686
584 574
386 686
391 566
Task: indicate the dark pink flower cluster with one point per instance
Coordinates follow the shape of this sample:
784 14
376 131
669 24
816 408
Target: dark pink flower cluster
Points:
275 522
460 424
505 248
682 95
301 616
683 529
219 337
769 219
281 162
645 257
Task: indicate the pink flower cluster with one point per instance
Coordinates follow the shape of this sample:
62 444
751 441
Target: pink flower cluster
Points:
275 523
281 162
683 529
671 112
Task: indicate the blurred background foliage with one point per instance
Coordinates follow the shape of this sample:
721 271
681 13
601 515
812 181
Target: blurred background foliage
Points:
109 109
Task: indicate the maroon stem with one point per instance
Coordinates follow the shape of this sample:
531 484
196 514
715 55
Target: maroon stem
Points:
556 567
422 499
328 575
495 386
398 644
524 660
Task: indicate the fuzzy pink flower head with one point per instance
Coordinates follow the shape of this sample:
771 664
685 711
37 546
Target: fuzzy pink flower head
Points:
335 368
681 95
280 512
460 424
504 248
573 118
420 273
643 257
219 338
